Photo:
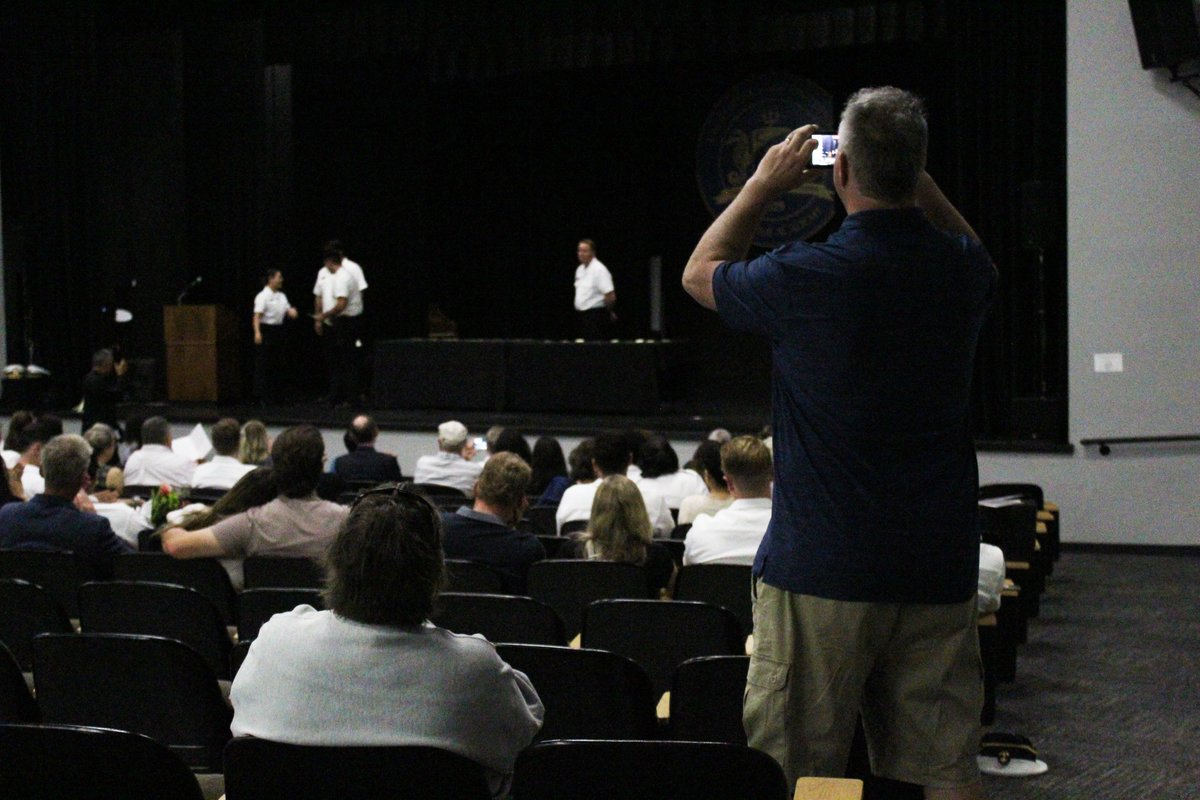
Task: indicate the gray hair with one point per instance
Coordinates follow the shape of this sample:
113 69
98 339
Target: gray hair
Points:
885 136
100 437
65 459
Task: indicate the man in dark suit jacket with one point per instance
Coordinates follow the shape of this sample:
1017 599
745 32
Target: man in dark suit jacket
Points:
486 531
363 463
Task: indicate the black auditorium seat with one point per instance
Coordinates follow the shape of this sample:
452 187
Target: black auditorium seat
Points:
499 617
256 606
205 575
16 703
59 573
706 699
277 572
26 609
568 585
725 585
471 576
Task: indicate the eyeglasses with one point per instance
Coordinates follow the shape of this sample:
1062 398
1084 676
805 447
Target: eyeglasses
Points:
398 493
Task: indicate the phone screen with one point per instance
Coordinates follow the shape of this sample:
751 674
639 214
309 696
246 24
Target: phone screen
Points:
826 151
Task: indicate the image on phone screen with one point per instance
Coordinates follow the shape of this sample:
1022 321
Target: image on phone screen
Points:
826 152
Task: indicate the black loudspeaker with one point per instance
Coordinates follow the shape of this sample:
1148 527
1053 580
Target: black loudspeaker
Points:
1042 217
1167 33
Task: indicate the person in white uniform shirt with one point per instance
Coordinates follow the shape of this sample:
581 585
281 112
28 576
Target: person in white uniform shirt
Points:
271 307
155 462
224 469
32 439
660 468
610 456
991 578
452 464
338 318
595 295
733 534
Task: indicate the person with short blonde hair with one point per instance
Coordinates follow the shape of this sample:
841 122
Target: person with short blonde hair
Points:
733 534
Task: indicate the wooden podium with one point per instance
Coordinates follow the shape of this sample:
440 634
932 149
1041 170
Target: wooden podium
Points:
202 353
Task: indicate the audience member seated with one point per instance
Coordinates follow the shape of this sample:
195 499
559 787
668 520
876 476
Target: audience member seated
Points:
108 479
126 521
254 447
155 463
487 531
610 456
18 422
131 436
11 490
619 530
660 469
372 670
733 534
633 438
510 440
363 463
224 469
296 523
991 578
32 439
707 461
549 479
51 521
451 465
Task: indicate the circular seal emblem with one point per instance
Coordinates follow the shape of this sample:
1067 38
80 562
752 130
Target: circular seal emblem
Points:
752 116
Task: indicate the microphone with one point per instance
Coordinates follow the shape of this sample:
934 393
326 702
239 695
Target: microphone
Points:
188 288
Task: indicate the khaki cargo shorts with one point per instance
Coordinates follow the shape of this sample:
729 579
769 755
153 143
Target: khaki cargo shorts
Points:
912 670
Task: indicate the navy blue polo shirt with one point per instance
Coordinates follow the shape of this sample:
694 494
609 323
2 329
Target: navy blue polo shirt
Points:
873 337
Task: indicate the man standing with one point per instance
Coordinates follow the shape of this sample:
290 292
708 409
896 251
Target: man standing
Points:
103 388
50 520
487 531
595 295
866 578
338 309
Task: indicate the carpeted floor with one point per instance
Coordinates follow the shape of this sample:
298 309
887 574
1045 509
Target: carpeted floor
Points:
1108 685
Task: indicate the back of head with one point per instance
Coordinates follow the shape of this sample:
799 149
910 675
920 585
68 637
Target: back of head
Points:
504 481
17 423
100 437
492 435
65 459
657 457
611 453
332 251
511 441
226 436
452 436
580 461
747 462
297 458
44 428
884 136
253 447
385 566
156 430
619 527
102 359
708 457
363 430
547 460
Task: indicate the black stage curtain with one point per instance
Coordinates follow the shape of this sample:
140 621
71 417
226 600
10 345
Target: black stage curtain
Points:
460 149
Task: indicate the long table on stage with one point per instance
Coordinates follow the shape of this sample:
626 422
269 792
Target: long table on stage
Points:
628 377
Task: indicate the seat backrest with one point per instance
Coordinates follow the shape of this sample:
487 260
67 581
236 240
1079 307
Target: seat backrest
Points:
471 576
647 770
207 496
276 572
268 770
499 617
662 635
26 609
725 585
706 699
435 490
588 694
47 762
256 606
157 609
1012 528
59 573
1028 490
553 545
16 703
568 585
674 547
205 575
542 518
573 526
146 684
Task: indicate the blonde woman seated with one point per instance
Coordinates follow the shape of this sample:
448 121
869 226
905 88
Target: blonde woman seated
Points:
619 530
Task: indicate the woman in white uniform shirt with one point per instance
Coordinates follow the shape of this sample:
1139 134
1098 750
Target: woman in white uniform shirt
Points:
271 306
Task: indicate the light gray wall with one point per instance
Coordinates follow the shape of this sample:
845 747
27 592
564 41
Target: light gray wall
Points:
1133 288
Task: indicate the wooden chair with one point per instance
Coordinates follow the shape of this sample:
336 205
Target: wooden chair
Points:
266 770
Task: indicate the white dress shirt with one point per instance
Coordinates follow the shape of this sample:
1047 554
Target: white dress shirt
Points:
576 504
730 536
156 463
991 578
11 457
675 486
32 481
448 469
272 305
341 284
222 472
591 284
350 268
126 522
698 504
